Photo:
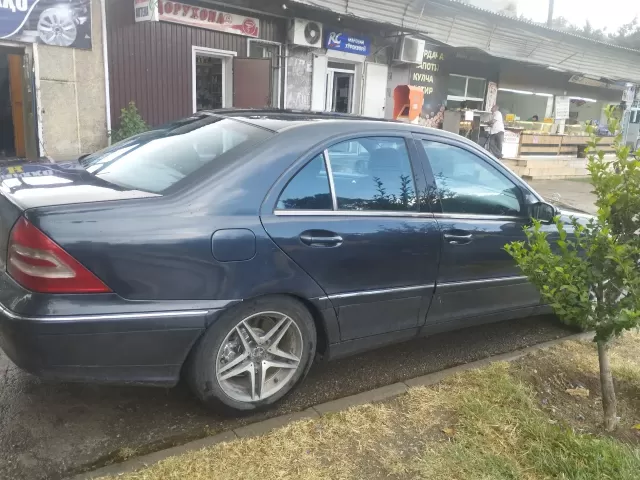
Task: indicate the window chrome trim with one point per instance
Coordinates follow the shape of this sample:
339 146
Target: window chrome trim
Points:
350 213
476 216
332 187
113 316
366 293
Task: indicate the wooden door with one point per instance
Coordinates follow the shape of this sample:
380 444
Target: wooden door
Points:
16 91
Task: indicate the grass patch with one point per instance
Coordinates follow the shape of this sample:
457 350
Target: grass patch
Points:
507 421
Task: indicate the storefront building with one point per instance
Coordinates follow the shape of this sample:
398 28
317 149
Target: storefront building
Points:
52 79
175 58
343 70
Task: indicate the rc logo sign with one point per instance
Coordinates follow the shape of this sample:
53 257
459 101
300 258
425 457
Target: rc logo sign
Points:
343 42
334 40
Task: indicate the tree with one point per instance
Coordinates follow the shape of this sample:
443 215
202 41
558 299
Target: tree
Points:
589 272
628 35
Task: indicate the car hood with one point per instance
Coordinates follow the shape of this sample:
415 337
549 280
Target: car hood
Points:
30 185
567 213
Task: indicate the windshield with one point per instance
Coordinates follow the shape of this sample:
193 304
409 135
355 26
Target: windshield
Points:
156 160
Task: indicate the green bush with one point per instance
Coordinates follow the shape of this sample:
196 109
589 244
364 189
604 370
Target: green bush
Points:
131 123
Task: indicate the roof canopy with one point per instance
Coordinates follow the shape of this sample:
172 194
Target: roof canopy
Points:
461 25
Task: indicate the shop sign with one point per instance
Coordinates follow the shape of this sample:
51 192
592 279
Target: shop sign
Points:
344 42
563 107
50 22
201 17
629 94
492 96
511 144
146 10
432 77
590 82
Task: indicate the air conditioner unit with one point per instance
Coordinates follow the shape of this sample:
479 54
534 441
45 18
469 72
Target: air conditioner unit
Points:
305 33
409 50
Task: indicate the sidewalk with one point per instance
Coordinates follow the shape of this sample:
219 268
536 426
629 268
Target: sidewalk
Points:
571 193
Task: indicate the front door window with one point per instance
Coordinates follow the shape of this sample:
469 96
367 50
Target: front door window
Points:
466 184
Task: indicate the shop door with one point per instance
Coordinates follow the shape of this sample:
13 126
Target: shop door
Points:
252 82
16 92
375 90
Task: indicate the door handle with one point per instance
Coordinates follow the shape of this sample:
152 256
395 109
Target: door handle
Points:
318 239
458 238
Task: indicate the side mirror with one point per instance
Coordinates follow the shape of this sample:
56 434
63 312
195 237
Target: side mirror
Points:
543 211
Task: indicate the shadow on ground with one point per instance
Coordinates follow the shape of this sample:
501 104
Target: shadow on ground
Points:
49 431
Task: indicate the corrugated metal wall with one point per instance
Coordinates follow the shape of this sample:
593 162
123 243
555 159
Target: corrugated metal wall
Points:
502 37
150 62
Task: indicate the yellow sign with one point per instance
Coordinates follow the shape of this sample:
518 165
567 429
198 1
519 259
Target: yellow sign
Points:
511 117
548 120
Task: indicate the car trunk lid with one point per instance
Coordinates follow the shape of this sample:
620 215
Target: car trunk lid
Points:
27 185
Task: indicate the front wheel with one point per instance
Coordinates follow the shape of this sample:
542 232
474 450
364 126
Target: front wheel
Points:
253 355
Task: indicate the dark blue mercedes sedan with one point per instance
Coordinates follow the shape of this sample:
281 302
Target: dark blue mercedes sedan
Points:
233 247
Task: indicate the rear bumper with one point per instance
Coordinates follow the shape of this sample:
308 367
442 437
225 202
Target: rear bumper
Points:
130 348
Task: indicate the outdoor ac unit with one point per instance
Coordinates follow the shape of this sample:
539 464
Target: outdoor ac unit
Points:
305 33
409 50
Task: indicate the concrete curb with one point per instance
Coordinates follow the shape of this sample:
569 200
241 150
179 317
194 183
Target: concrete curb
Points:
376 395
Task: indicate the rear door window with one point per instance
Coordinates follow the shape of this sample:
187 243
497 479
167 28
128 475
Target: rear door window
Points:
309 189
156 160
373 174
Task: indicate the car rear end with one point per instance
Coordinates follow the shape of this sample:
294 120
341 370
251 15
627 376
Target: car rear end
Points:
67 311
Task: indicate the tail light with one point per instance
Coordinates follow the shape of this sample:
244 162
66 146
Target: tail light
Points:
38 263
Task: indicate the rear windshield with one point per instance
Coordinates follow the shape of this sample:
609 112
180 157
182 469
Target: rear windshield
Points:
156 160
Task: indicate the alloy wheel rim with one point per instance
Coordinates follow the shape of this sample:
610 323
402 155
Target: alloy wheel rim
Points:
259 356
56 27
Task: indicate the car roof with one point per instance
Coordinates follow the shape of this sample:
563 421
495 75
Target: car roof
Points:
281 120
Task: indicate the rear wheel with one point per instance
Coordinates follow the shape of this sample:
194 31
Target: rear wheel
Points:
254 354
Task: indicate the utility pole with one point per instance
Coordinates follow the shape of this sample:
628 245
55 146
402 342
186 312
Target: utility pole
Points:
550 17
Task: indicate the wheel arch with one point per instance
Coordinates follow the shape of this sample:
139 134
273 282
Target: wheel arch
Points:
321 322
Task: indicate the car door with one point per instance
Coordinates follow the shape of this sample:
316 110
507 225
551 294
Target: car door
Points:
480 208
350 217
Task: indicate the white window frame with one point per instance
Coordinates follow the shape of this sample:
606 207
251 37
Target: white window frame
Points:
227 57
276 89
466 89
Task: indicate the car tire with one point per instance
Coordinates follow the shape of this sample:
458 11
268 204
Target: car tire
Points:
231 344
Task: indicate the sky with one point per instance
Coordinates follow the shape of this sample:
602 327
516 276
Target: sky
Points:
601 13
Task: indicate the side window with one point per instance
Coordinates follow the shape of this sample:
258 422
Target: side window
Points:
373 174
467 184
308 189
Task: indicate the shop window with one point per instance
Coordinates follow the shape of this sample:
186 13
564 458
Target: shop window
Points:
466 184
209 82
466 89
475 88
373 174
457 86
309 189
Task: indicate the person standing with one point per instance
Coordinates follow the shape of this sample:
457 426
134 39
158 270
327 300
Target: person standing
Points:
496 132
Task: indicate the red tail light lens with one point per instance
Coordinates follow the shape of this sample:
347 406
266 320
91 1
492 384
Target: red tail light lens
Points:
38 263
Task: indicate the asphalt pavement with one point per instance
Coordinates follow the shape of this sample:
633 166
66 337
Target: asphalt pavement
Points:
52 430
